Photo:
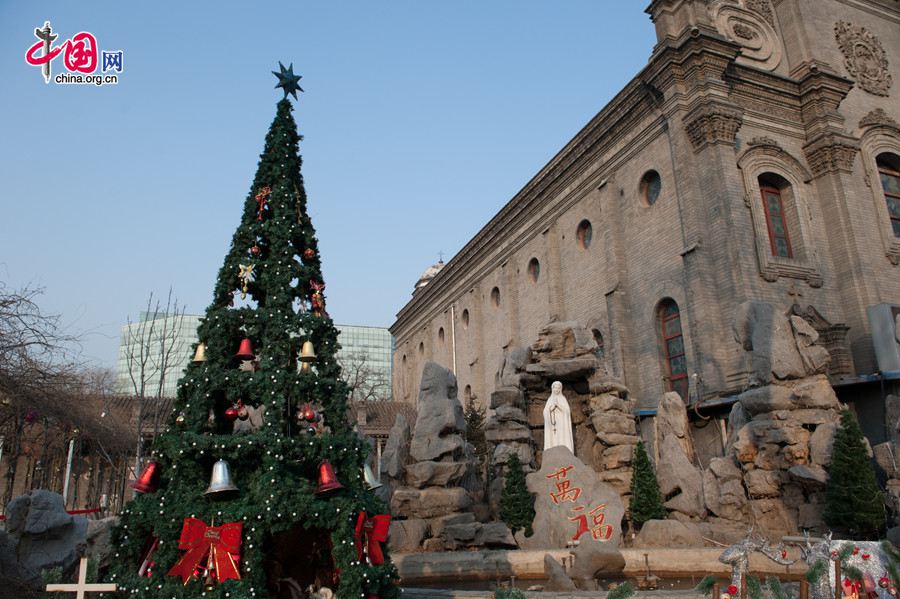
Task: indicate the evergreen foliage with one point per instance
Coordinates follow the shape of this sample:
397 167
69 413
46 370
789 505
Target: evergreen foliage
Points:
275 467
623 591
516 503
509 594
854 504
705 586
754 588
776 588
646 498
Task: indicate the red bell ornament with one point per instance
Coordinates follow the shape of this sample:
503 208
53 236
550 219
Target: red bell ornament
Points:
328 481
232 413
245 351
148 481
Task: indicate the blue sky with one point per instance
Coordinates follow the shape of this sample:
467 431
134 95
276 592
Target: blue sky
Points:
421 119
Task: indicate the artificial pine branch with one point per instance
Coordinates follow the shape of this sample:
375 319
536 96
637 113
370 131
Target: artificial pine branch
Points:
816 571
776 588
705 586
623 591
754 588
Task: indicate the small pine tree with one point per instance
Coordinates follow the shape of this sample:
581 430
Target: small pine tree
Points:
853 501
474 415
516 503
646 499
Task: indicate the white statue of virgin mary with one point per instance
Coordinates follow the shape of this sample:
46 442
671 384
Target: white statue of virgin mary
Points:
557 420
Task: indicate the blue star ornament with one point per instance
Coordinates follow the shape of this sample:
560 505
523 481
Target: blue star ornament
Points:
287 80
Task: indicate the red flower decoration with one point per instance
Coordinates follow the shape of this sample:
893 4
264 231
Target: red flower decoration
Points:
855 550
866 556
732 590
784 554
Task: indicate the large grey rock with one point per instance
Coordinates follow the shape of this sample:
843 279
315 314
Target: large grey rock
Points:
821 443
511 367
506 413
767 334
772 516
564 370
494 534
503 451
738 417
406 536
668 533
606 402
810 477
460 535
566 488
764 483
557 579
396 449
672 420
440 416
498 432
97 541
886 457
615 422
892 416
438 524
815 357
45 535
815 392
723 489
767 398
428 503
595 560
564 339
435 474
679 479
507 396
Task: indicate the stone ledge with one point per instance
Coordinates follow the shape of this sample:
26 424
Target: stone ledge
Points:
417 568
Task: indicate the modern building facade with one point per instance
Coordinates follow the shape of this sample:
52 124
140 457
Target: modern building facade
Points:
755 157
161 348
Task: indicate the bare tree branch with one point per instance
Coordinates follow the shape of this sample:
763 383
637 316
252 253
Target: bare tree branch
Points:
366 382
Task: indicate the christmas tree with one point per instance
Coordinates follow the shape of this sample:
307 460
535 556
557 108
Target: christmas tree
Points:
854 503
516 503
646 499
260 482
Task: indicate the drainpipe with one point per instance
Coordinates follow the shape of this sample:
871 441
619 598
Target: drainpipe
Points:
68 472
453 336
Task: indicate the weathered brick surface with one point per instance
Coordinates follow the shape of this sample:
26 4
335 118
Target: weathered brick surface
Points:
701 243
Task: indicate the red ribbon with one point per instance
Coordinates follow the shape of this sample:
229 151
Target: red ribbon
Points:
375 531
199 540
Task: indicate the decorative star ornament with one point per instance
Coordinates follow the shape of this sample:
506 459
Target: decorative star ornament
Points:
287 80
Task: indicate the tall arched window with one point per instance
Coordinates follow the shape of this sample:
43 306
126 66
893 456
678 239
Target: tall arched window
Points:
673 348
773 189
889 171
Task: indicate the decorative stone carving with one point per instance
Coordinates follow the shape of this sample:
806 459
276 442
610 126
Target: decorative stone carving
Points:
831 153
712 123
760 46
879 118
864 57
763 9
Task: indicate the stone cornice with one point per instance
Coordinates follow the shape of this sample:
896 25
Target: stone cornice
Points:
879 119
712 123
831 153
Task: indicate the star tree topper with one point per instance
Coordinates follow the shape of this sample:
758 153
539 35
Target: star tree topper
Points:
287 80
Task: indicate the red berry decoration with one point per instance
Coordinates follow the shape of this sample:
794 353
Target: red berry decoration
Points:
884 582
855 550
732 590
866 556
309 254
255 250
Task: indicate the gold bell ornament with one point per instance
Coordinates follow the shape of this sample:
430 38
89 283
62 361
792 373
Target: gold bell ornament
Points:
221 479
307 356
200 354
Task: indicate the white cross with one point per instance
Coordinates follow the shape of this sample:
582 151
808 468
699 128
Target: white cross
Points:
82 587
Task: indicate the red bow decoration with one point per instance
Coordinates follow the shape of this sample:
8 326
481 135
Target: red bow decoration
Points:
375 530
851 587
222 543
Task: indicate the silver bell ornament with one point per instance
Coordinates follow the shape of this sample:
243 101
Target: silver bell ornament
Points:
220 482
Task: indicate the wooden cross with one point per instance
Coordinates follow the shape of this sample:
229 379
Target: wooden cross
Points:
82 587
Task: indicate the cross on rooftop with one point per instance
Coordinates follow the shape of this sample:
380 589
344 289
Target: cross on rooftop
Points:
82 587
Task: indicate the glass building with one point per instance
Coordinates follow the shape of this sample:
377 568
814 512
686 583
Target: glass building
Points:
365 356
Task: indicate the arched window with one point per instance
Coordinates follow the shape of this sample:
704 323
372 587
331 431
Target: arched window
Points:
600 352
495 296
669 322
889 171
534 269
584 233
441 334
773 189
465 318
